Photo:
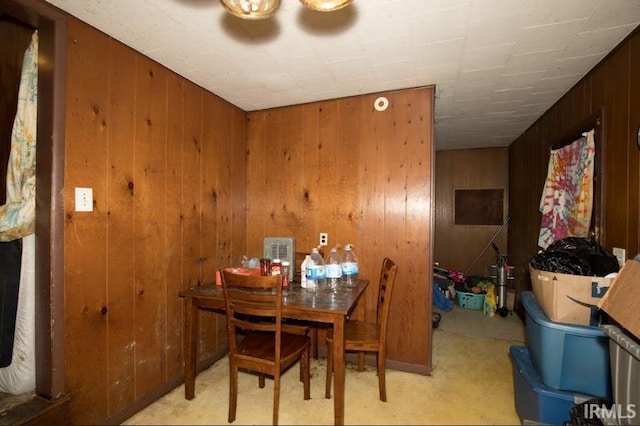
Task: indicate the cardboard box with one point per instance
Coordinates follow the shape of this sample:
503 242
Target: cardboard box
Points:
570 299
623 298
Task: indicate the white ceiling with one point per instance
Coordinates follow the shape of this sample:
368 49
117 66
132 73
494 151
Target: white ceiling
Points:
497 65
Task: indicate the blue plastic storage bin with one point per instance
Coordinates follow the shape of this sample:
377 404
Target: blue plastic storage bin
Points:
535 401
568 357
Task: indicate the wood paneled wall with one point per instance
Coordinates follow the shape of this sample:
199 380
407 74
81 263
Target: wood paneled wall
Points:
177 173
458 246
166 161
615 85
364 177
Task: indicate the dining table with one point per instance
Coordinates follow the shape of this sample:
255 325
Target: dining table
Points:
321 305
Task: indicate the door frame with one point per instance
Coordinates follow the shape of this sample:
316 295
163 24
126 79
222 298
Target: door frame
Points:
49 238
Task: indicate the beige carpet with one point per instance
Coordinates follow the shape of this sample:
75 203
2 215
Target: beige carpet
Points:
471 322
471 383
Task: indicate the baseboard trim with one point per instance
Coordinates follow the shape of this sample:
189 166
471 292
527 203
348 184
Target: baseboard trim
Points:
119 417
39 411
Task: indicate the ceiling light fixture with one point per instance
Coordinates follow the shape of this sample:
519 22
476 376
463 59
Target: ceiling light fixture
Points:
325 5
260 9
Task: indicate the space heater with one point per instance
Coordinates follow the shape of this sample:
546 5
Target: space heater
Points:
283 248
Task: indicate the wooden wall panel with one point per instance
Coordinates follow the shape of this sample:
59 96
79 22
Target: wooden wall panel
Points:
289 149
334 196
381 210
256 151
120 226
617 127
578 104
236 120
163 158
149 211
86 343
458 246
350 171
612 85
191 158
309 180
633 159
238 187
411 188
372 207
191 190
215 202
174 171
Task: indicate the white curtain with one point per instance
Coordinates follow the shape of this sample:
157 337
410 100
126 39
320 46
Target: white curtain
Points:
17 220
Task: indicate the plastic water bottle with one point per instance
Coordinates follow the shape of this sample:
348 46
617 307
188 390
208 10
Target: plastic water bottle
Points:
334 268
316 271
303 272
349 267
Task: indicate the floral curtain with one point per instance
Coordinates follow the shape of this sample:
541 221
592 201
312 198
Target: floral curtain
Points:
17 216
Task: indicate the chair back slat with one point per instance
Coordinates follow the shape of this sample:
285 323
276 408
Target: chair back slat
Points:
253 303
387 281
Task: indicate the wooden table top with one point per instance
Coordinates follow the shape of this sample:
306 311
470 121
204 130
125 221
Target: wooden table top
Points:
340 300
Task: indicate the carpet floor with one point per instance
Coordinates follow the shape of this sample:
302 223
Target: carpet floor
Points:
471 384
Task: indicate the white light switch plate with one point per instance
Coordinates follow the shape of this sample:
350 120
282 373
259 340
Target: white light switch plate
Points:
621 254
84 199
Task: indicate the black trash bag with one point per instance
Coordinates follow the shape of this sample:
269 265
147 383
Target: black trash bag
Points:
576 256
563 263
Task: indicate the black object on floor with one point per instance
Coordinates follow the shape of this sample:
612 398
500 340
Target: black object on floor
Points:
10 265
436 319
586 413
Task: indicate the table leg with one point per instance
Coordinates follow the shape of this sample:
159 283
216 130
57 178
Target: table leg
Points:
190 347
338 370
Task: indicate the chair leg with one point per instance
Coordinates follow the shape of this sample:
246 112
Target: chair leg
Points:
261 381
276 397
381 376
327 391
314 347
304 365
233 392
314 341
360 361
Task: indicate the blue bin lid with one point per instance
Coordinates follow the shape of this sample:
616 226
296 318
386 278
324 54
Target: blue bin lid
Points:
536 313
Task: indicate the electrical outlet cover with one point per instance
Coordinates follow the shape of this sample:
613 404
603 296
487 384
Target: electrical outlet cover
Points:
84 199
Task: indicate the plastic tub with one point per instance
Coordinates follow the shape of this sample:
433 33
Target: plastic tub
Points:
625 374
536 402
470 300
567 356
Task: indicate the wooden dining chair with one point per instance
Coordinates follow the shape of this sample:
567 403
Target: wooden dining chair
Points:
257 342
361 336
